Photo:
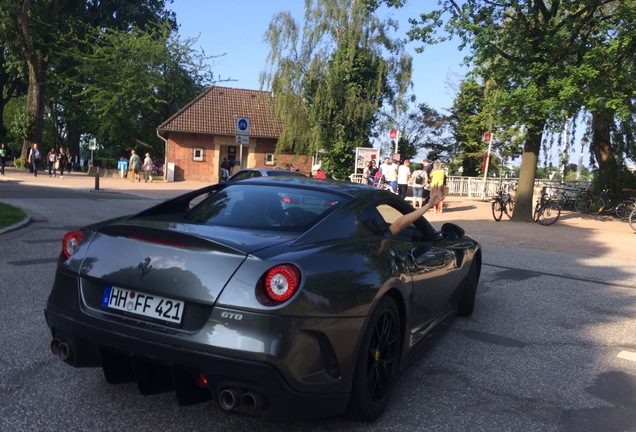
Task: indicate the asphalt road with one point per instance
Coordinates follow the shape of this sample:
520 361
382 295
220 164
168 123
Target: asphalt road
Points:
551 345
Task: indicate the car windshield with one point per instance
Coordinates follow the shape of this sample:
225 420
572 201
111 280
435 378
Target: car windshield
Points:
264 207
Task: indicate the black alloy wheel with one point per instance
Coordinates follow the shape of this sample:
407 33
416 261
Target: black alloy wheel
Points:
377 363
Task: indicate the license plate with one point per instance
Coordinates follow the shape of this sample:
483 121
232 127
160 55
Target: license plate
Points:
147 305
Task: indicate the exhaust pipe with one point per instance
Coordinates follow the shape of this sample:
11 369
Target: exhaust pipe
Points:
55 344
252 402
61 349
64 351
229 398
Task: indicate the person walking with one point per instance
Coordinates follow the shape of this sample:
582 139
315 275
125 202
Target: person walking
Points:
3 158
34 159
134 165
438 177
390 172
51 159
147 166
419 178
403 177
62 161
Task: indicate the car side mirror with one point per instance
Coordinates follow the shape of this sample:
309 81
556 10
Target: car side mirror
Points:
450 231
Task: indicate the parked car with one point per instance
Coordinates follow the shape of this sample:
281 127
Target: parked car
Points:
263 172
279 297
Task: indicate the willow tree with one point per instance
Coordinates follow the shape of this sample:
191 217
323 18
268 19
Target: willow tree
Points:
331 80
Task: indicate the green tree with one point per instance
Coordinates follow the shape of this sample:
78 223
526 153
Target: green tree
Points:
529 49
138 78
428 132
41 24
332 79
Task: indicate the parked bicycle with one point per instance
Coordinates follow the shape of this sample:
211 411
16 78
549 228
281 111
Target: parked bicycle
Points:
502 203
547 210
567 197
632 219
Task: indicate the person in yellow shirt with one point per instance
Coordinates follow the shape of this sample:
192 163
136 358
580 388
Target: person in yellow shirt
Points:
438 177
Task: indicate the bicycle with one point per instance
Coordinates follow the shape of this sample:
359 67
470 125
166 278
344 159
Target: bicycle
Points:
632 219
546 211
502 203
568 197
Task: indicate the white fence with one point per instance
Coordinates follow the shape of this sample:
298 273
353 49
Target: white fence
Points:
475 188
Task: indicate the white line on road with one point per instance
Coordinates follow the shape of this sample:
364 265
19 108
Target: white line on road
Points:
627 355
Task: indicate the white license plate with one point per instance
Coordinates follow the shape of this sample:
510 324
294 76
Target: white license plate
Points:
147 305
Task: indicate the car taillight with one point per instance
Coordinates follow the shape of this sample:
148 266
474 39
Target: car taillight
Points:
71 242
278 284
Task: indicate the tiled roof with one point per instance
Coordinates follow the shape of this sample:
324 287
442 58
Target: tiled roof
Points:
215 111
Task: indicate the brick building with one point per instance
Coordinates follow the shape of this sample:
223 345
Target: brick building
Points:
202 133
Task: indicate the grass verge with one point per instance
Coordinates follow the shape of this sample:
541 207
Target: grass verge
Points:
10 215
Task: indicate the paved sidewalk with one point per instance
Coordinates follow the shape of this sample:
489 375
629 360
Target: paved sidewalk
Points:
594 236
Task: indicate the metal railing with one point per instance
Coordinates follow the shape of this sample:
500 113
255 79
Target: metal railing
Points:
475 188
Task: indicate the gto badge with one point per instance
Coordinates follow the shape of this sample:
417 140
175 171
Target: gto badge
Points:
232 315
145 267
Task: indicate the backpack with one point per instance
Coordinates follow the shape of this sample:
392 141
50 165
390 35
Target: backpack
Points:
419 179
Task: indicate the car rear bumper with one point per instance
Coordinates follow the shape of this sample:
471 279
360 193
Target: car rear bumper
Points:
159 367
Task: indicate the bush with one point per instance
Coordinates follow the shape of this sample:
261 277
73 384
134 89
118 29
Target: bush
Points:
20 163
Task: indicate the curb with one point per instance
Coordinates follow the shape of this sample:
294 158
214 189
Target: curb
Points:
24 222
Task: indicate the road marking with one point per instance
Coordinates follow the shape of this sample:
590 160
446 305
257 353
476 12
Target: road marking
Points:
627 355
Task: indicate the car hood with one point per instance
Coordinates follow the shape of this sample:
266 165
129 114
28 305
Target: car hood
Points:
190 262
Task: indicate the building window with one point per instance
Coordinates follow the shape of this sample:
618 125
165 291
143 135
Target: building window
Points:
197 155
269 159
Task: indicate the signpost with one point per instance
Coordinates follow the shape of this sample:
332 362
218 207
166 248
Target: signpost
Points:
242 134
487 138
394 135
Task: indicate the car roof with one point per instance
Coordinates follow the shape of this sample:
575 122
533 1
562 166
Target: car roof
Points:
354 190
266 171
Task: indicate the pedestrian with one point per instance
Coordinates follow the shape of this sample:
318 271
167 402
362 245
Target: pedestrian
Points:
51 159
403 177
62 161
428 167
317 172
147 166
3 158
419 178
34 159
366 173
438 177
134 165
389 172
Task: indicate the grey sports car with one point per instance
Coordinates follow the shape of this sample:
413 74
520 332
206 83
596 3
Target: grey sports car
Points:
280 298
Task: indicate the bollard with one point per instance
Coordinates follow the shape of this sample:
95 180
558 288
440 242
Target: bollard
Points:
96 178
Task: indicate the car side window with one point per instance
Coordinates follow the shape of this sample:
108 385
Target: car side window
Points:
378 219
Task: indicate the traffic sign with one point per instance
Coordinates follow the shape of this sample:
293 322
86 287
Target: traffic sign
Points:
243 139
393 134
242 126
92 144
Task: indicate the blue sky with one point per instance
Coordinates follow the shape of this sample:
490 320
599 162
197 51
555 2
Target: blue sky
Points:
237 29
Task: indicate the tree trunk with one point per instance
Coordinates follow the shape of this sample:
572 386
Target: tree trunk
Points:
524 205
35 94
602 149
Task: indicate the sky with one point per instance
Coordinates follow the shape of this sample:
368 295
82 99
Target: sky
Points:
237 29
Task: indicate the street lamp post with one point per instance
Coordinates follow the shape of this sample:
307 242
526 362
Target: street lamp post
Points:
578 168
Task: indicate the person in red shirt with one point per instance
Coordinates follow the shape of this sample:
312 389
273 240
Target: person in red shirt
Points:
318 173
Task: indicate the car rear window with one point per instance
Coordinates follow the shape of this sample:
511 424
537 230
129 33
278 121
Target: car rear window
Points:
264 207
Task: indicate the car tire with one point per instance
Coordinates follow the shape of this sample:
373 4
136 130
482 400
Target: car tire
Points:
377 363
466 303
